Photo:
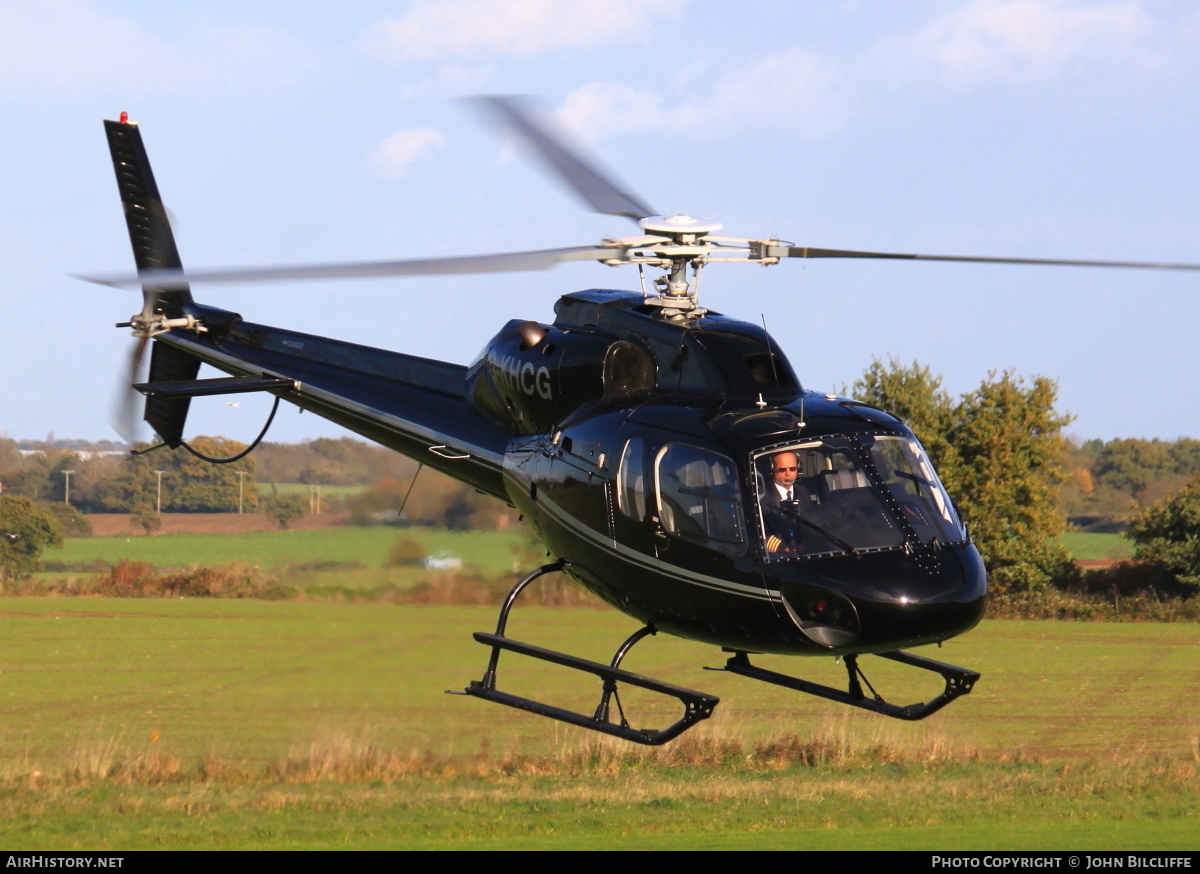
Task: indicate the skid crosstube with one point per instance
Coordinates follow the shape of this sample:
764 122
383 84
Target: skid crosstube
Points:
959 682
697 705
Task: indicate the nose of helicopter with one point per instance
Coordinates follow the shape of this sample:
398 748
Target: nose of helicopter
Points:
876 603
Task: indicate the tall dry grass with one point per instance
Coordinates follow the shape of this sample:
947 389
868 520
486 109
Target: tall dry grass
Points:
349 757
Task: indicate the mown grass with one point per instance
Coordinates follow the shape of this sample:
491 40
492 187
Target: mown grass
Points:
304 489
370 544
238 724
246 678
1092 546
490 551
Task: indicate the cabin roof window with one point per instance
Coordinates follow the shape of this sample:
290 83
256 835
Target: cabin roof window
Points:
628 370
750 364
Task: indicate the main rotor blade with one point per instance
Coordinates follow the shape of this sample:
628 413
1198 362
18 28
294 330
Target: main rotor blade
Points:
599 190
499 263
810 252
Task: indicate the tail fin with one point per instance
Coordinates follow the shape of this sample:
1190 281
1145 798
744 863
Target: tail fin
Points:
145 215
153 247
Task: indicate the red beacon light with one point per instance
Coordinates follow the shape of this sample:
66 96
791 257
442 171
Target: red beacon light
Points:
124 118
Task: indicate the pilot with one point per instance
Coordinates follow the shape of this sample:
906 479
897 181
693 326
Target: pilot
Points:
784 499
785 490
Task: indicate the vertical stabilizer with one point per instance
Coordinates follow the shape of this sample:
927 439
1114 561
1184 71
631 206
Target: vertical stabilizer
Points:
146 217
153 248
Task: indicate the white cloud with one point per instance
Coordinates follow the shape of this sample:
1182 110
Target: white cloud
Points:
810 95
599 110
1018 41
794 91
68 46
791 91
61 44
450 80
394 155
436 29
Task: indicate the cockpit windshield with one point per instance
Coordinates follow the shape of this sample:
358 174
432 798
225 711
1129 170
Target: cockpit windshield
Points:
850 494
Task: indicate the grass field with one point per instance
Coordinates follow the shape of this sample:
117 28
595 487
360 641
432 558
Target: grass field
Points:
151 723
304 489
490 551
1089 546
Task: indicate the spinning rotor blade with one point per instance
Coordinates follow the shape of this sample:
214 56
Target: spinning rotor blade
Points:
542 259
809 252
126 419
599 190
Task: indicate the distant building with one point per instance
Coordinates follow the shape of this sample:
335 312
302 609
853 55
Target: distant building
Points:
442 561
83 454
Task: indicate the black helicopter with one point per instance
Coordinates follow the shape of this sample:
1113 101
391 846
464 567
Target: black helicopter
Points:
642 436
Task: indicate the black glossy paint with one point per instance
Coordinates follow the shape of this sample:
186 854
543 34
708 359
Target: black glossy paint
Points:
543 427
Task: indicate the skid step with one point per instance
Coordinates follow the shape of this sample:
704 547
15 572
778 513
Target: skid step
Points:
696 705
959 682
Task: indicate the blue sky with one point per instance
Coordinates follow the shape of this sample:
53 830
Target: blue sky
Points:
301 132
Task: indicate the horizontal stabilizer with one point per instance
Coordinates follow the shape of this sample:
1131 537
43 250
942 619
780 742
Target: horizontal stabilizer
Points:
225 385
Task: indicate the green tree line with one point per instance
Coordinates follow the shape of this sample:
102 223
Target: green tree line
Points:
1110 482
1001 452
178 482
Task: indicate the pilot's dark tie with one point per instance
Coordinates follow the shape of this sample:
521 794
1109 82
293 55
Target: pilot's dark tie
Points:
789 494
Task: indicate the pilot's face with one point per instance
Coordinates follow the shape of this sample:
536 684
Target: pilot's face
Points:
786 465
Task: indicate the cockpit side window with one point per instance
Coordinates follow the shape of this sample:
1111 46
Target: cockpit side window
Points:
631 480
698 496
910 478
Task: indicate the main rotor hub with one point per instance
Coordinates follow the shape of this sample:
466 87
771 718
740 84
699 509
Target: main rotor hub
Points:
679 224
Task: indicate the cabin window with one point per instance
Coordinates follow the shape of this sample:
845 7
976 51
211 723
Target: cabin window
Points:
751 364
631 480
628 370
698 495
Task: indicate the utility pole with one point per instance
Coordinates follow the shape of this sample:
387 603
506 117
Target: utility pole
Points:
158 508
67 477
241 478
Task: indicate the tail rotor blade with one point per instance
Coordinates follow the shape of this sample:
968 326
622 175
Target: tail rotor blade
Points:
126 416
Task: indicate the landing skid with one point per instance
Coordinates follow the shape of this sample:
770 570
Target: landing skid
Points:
959 682
696 705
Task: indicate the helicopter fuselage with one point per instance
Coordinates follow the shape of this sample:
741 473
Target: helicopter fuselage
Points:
689 552
638 443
